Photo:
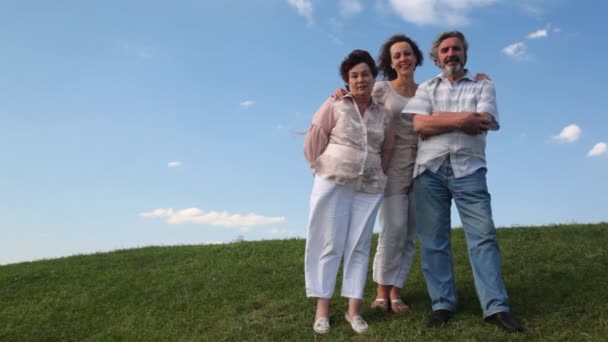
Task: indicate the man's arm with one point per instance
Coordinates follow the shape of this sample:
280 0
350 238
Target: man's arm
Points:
428 123
443 122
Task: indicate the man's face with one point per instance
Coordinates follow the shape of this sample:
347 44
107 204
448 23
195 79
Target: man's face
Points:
450 56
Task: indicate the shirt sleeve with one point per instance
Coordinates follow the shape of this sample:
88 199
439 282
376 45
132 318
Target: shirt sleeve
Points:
379 92
317 137
420 103
487 103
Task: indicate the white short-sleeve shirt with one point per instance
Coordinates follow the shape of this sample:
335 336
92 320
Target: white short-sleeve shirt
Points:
466 152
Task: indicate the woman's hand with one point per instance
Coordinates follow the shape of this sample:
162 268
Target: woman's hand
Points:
482 76
339 93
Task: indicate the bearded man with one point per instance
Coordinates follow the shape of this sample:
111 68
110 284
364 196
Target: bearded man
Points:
452 114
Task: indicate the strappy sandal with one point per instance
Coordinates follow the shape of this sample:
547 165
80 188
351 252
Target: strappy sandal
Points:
399 306
380 304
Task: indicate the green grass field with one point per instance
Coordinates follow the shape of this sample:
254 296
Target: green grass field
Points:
254 291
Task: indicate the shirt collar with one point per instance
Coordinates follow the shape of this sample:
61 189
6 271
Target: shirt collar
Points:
352 98
467 75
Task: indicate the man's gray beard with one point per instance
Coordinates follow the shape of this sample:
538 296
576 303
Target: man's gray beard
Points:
453 70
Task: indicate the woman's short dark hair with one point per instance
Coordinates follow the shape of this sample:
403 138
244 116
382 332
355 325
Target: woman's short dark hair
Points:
385 58
354 58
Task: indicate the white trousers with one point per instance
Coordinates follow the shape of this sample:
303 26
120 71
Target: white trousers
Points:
340 224
396 243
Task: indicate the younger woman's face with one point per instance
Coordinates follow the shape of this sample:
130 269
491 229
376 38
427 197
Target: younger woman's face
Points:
403 59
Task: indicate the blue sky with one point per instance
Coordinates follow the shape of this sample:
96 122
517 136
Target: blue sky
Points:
135 123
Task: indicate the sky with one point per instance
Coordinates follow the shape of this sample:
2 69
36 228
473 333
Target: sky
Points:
126 124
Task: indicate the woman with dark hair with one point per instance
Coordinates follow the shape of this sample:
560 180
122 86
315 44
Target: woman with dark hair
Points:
398 59
343 147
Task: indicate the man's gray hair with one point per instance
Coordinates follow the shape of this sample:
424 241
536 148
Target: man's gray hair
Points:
445 35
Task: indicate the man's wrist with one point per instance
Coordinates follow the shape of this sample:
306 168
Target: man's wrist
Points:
462 120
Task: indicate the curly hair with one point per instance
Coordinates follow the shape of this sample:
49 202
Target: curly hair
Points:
385 58
354 58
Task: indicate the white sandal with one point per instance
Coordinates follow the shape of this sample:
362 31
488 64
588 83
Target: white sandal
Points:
400 304
321 325
380 304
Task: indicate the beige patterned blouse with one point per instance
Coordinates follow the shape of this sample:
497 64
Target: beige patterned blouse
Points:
342 146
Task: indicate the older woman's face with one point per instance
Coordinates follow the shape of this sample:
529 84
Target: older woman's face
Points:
360 80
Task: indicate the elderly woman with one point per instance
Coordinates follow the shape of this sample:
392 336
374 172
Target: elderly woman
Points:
343 147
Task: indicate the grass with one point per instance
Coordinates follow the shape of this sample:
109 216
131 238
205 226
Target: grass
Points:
254 291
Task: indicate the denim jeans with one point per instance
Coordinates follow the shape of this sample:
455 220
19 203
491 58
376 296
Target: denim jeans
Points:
434 193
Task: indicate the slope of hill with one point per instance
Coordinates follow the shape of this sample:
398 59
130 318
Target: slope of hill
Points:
556 277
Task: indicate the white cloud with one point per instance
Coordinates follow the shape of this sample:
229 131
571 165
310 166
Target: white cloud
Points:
518 51
247 104
279 232
160 212
542 33
350 7
213 218
212 242
532 9
535 8
175 163
570 133
438 12
382 7
597 150
336 30
335 40
304 8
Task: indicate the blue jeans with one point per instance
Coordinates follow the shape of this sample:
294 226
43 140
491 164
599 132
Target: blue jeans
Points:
434 194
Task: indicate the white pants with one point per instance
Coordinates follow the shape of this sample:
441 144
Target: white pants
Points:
396 243
341 223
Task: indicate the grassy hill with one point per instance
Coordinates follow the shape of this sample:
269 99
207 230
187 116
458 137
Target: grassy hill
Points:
556 277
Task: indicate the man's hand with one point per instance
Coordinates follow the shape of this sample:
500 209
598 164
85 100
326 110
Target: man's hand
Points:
475 123
471 123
